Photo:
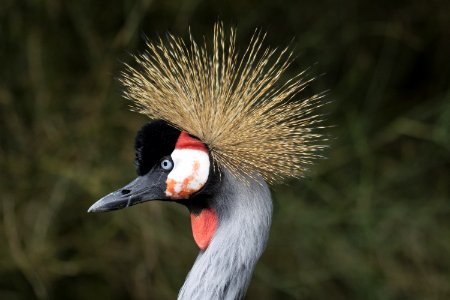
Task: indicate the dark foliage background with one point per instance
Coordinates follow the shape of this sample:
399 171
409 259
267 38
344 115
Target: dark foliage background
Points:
370 222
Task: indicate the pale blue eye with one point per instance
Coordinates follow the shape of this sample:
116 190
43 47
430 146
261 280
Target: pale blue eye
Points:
166 164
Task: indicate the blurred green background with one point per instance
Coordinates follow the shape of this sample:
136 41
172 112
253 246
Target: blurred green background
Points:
372 221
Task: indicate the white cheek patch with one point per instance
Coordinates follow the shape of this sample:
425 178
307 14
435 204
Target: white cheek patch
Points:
189 174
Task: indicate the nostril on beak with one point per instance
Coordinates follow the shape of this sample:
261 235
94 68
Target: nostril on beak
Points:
125 192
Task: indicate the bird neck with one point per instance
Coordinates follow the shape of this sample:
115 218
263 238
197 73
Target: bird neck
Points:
223 270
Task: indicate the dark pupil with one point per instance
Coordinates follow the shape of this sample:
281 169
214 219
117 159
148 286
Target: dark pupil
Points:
165 163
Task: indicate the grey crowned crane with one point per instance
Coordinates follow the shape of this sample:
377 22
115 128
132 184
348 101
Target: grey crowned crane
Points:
224 126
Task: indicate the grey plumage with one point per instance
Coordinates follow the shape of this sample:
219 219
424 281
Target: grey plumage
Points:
224 270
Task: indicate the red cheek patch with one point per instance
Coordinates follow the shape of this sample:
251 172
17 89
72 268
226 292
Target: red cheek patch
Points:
186 142
191 168
203 227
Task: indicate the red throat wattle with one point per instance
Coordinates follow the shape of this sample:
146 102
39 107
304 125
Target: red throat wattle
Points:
203 227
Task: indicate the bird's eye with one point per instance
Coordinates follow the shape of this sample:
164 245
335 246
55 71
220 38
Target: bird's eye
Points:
166 164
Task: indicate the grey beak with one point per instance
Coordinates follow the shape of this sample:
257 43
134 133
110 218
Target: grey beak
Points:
144 188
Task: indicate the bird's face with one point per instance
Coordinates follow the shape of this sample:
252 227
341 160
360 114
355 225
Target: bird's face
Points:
171 165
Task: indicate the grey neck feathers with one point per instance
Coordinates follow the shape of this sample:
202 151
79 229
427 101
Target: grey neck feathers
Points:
224 269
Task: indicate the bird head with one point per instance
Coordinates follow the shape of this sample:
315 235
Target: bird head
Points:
230 113
171 165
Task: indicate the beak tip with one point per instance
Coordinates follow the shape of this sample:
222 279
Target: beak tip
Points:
93 208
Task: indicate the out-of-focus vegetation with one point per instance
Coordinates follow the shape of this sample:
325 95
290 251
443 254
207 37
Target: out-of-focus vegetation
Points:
370 222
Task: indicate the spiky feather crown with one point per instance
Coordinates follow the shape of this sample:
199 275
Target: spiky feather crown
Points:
233 103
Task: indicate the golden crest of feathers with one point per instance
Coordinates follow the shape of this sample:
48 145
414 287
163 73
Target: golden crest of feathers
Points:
238 105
